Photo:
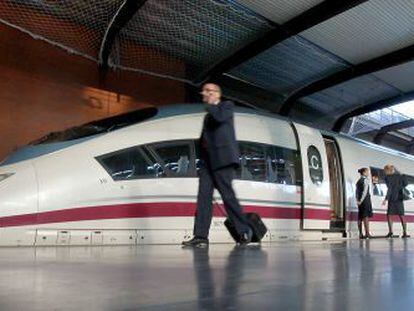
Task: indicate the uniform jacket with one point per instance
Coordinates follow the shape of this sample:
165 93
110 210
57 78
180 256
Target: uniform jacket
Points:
395 184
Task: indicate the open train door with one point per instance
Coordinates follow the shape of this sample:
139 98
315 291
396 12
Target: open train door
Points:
316 196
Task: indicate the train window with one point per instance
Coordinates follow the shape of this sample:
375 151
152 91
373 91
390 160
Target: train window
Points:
266 163
281 165
174 158
131 163
315 165
252 160
378 175
410 179
410 182
379 187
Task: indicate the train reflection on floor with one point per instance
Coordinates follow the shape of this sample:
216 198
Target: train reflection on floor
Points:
349 275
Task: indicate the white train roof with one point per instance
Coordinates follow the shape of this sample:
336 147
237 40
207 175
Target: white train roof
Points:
52 142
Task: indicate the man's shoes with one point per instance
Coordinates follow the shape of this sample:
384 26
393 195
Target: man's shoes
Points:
405 235
246 237
196 242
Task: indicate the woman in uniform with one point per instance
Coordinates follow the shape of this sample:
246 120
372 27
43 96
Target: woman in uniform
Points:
363 198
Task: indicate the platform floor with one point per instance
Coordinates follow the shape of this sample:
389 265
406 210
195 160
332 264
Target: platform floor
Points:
350 275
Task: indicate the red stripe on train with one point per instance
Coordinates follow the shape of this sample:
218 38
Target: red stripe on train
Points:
142 210
353 216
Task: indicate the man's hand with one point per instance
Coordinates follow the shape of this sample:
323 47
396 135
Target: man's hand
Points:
384 203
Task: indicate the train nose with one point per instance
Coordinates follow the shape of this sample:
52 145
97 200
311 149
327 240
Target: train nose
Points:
18 191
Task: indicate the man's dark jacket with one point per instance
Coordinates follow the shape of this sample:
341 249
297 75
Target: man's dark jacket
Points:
218 140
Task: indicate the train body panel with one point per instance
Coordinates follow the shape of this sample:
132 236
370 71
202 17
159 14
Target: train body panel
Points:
18 192
264 130
357 154
316 191
139 184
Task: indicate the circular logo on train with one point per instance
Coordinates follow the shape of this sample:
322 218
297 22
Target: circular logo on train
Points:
315 165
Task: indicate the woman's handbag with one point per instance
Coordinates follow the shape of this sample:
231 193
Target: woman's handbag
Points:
406 194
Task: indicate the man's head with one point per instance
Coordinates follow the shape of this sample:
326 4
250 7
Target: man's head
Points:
211 93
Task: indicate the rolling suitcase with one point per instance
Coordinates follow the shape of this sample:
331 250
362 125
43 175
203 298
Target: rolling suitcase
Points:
253 220
256 224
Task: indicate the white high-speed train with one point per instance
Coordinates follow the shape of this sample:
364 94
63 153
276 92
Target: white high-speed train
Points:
133 179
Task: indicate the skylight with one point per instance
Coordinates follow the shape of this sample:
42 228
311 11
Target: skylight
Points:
406 108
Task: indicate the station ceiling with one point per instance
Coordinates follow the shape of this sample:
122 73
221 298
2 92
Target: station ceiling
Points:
323 60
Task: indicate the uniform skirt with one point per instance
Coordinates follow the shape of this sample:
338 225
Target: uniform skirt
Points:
365 209
395 208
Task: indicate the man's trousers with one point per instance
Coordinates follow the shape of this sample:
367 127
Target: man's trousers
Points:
220 179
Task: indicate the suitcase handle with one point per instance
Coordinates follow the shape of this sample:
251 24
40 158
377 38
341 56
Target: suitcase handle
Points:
223 211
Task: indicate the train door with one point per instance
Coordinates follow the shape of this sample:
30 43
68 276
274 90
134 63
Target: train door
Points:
316 194
336 185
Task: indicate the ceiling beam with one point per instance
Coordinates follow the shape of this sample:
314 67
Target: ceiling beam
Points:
389 60
245 92
410 146
314 16
392 127
385 103
124 14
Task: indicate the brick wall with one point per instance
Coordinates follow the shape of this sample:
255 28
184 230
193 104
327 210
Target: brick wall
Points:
43 89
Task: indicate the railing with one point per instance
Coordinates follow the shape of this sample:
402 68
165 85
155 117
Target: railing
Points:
377 119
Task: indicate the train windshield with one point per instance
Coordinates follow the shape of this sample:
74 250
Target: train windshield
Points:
97 127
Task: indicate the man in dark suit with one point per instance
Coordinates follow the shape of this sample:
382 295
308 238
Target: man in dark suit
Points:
219 153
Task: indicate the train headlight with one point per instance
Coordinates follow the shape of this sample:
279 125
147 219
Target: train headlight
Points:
4 176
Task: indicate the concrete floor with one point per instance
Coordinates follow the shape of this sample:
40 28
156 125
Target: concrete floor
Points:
353 275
